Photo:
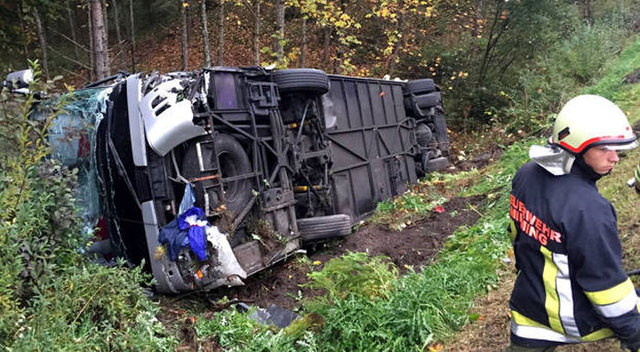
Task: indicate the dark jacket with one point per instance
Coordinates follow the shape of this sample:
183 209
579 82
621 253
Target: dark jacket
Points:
571 286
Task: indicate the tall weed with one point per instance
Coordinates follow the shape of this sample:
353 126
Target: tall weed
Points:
355 274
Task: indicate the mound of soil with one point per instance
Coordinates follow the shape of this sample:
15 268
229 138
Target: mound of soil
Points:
413 247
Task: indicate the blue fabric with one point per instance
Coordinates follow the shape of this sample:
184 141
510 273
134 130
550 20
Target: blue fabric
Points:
174 238
197 234
179 233
188 199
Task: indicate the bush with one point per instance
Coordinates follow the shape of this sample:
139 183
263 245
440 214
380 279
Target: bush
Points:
92 307
51 297
557 75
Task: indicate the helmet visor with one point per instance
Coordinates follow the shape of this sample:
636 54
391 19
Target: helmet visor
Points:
624 146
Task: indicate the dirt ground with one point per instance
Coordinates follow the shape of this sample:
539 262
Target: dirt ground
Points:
414 246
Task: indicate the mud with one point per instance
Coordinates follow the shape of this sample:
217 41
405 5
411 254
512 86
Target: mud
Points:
414 247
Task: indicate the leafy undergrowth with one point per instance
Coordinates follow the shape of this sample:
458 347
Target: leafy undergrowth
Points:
51 297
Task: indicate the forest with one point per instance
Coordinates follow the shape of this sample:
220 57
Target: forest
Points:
503 61
504 68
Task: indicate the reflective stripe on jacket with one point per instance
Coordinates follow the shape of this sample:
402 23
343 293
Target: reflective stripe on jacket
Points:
571 286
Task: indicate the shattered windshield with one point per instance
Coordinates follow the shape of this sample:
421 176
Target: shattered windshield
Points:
72 138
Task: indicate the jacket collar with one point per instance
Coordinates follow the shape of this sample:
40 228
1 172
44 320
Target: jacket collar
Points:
582 169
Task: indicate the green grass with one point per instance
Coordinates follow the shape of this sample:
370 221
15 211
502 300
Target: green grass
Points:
612 86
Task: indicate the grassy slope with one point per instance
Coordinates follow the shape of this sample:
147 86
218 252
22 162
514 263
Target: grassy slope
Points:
614 187
491 334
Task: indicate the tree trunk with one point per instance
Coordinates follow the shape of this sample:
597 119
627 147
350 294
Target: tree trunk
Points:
205 33
326 48
42 40
303 45
91 72
587 11
119 44
337 61
391 63
101 58
72 30
482 7
279 47
498 26
220 59
185 36
105 37
256 37
133 38
340 50
24 31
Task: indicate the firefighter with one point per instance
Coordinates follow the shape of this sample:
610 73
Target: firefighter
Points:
571 286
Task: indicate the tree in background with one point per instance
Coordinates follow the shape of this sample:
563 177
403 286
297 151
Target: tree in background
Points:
256 33
488 56
132 36
278 36
121 52
185 34
205 33
99 48
42 39
220 58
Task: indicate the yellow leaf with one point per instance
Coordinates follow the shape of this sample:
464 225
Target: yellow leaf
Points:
159 253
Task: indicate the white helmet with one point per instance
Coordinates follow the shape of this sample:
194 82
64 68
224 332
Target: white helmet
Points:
589 120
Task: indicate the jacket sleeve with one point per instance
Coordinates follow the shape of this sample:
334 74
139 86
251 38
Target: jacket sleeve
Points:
596 256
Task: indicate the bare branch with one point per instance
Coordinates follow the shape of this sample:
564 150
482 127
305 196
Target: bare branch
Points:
250 8
73 73
70 40
81 64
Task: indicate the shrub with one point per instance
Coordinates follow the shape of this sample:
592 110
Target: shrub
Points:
92 307
51 297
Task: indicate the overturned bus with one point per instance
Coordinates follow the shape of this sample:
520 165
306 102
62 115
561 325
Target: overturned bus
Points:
212 176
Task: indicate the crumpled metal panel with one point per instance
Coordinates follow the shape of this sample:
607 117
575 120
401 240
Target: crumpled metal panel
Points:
168 120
